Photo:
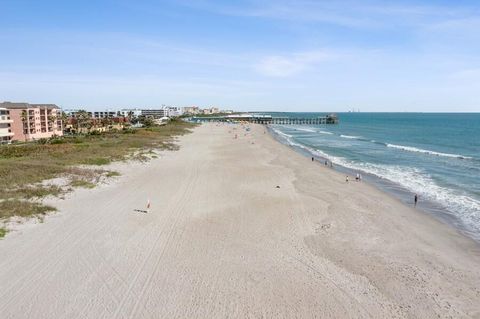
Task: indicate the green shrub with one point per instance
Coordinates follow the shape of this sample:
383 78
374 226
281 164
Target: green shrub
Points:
42 141
57 140
22 208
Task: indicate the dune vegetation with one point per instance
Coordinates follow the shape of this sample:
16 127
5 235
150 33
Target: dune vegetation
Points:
80 159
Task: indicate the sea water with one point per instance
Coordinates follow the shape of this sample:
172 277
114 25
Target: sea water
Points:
434 155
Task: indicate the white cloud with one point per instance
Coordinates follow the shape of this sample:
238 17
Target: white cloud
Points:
284 66
346 13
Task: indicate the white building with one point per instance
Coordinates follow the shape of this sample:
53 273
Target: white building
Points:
94 114
128 112
172 111
6 133
154 113
103 114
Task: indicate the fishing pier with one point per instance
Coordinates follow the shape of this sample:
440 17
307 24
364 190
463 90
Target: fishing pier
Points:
267 119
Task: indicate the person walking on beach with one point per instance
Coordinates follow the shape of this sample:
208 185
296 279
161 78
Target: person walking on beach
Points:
415 200
346 180
313 159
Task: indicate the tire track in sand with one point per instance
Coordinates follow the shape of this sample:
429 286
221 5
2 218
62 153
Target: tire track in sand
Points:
178 204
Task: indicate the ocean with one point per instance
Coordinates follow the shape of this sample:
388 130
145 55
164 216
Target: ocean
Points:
434 155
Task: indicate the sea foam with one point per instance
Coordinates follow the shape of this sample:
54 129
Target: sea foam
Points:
458 205
306 130
281 133
419 150
351 137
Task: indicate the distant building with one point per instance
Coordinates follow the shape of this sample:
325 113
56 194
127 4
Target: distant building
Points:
212 110
173 111
34 121
73 112
191 110
6 133
154 113
93 114
103 114
69 112
132 112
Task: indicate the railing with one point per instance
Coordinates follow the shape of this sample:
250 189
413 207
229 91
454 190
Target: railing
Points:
329 119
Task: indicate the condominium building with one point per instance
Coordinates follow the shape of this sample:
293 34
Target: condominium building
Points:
95 114
130 112
173 111
212 110
156 114
34 121
6 133
191 110
103 114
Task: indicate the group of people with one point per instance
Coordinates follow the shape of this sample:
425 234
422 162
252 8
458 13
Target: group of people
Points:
358 178
327 163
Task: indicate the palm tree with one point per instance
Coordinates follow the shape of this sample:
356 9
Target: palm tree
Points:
83 119
64 119
106 121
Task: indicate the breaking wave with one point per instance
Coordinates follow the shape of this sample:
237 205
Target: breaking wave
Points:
305 130
351 137
419 150
461 206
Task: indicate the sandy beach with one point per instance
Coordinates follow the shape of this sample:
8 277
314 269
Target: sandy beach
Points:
221 240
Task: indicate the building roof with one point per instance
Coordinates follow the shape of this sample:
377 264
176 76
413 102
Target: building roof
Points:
48 106
22 105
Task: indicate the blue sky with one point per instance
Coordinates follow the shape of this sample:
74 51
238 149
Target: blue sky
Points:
279 55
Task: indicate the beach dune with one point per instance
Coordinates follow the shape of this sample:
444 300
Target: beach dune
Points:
237 228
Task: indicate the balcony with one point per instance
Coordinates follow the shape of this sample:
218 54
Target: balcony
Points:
5 119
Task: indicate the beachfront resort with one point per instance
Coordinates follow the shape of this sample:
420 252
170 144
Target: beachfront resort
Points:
29 122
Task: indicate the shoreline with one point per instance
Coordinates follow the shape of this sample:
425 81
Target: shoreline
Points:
390 188
238 227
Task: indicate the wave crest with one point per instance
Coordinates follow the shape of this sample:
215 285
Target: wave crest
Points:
351 137
420 150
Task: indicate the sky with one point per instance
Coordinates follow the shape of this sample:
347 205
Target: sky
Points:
258 55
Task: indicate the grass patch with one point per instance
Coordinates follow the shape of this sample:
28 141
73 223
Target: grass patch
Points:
97 161
82 183
32 192
23 166
23 208
3 232
112 174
